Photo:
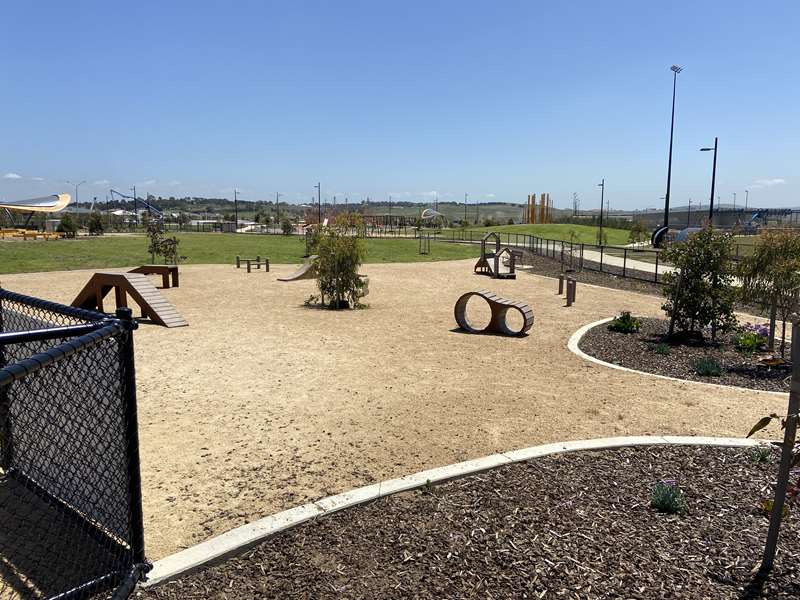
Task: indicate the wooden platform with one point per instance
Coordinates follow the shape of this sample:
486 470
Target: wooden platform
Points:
166 271
136 285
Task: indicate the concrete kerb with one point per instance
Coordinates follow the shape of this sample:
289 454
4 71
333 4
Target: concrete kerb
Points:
246 536
573 345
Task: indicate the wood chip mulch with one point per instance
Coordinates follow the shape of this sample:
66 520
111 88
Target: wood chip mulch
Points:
568 526
639 351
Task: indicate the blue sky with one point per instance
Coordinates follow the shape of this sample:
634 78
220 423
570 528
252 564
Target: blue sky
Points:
497 99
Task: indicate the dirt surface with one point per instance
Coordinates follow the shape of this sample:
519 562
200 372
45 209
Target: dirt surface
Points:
570 526
678 358
261 404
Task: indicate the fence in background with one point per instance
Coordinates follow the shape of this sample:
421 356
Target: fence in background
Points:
70 488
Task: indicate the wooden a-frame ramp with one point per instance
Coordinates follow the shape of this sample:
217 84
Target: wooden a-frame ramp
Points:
136 285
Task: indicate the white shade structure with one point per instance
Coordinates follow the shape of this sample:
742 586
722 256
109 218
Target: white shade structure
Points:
45 204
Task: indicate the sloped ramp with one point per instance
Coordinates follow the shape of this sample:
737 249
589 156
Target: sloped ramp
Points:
307 271
136 285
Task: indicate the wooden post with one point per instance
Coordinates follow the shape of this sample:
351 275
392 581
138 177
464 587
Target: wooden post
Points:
238 261
266 265
560 284
258 261
248 264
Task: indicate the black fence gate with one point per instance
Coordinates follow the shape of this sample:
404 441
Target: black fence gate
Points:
70 487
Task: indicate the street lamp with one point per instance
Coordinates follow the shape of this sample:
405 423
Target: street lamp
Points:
77 185
746 198
602 186
689 214
319 204
465 207
235 210
713 180
278 207
675 70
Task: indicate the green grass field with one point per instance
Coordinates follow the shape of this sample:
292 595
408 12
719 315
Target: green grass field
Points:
586 234
199 248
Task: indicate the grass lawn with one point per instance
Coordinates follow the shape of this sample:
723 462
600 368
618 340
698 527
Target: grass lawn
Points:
586 234
199 248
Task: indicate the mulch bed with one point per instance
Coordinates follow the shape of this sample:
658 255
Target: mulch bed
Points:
638 351
567 526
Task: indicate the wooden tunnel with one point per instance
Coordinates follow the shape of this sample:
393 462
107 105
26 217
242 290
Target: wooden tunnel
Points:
136 285
500 307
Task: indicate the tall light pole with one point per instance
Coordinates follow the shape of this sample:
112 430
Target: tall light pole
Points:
235 210
602 186
278 207
675 70
135 207
478 211
77 185
319 204
689 214
465 207
713 180
746 198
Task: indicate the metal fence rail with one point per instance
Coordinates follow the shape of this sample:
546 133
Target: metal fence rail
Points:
622 261
70 488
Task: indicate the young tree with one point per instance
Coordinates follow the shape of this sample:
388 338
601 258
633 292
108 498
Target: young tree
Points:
67 225
286 226
155 238
95 224
340 256
700 292
771 278
637 232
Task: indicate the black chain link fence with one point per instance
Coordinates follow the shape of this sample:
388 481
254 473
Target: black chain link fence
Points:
70 489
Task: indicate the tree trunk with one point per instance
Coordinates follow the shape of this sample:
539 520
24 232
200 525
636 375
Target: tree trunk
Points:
773 312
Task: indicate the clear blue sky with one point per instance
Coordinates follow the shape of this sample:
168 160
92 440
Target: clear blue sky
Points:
498 99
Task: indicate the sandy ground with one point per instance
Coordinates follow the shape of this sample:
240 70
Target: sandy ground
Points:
262 404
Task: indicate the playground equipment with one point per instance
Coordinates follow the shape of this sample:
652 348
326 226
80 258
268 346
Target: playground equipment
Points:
136 285
433 217
538 213
307 271
499 307
253 262
658 237
166 271
489 262
70 491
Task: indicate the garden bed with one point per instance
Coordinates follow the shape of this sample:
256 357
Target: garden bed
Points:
648 350
574 525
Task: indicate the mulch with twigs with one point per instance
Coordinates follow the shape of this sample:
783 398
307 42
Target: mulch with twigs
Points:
577 525
652 351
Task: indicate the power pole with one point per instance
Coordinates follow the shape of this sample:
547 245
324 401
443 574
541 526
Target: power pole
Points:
319 204
278 207
235 210
602 186
135 207
465 207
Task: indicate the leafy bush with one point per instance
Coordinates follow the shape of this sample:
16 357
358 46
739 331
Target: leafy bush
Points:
340 256
95 224
700 291
625 323
761 454
708 367
662 349
668 498
286 226
749 340
67 225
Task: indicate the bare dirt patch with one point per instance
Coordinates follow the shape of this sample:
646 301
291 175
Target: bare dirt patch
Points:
577 525
261 404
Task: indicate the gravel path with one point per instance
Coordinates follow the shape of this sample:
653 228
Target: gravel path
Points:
568 526
639 351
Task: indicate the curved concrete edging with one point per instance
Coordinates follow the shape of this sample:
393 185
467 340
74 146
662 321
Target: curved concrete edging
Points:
573 342
236 540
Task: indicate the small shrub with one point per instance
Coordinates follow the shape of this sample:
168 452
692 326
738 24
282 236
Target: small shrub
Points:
708 367
286 226
67 226
662 349
761 454
625 323
667 497
95 224
748 342
312 300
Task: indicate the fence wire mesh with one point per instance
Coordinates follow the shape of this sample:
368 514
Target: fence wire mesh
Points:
70 504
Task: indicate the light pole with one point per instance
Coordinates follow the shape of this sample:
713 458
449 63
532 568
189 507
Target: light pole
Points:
135 207
478 211
319 204
235 210
675 70
77 185
689 214
713 180
602 186
278 207
746 198
465 208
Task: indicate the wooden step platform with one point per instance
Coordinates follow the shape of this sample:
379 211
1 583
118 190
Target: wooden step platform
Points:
136 285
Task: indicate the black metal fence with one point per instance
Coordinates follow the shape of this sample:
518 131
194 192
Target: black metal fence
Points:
623 261
70 488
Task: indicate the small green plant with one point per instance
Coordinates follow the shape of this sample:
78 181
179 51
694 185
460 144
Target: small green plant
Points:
67 226
708 367
662 349
667 497
95 224
749 340
625 323
761 454
286 226
312 300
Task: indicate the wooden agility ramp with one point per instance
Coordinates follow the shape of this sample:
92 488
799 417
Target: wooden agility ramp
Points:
136 285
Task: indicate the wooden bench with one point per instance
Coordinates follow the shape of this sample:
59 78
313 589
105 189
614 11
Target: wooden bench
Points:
164 270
